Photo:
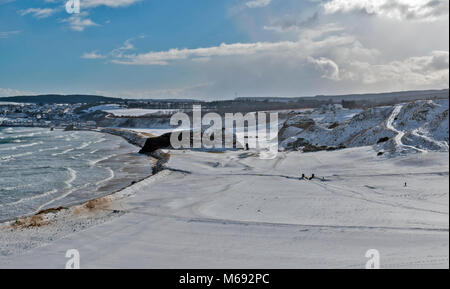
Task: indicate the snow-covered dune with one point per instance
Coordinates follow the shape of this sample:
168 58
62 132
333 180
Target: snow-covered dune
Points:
417 126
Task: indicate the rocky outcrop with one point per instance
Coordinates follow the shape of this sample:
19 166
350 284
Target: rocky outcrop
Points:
312 148
155 143
383 139
150 145
333 125
295 124
300 121
133 137
164 142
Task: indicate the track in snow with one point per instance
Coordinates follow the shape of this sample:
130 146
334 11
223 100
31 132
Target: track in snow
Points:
398 138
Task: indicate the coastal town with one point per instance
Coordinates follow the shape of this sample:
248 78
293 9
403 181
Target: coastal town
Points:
41 115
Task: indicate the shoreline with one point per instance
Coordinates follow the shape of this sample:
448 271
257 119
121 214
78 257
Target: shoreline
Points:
56 222
23 234
109 186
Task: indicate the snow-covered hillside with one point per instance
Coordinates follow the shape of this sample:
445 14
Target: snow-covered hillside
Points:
417 126
121 111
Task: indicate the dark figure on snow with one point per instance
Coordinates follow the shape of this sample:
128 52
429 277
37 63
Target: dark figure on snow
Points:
246 147
312 177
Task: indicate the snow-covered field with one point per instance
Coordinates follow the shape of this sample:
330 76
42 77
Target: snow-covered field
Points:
387 190
232 209
120 111
11 103
159 131
140 112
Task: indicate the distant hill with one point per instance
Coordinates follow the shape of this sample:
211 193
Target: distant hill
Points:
57 98
374 97
400 95
270 102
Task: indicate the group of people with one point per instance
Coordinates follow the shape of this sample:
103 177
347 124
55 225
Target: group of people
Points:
313 176
306 178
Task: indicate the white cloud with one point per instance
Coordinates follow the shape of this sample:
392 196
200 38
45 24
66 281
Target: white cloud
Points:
108 3
258 3
6 1
38 13
311 43
6 34
119 52
429 70
92 55
428 10
317 60
4 92
287 24
318 52
79 22
115 53
328 67
236 49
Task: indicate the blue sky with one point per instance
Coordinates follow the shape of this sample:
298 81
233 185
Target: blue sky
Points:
217 49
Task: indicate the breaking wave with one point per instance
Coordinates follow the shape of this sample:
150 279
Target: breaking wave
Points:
40 167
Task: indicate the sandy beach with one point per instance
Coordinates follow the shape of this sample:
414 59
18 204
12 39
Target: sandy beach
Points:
232 209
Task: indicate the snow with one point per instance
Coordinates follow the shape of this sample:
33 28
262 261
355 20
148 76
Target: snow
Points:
333 114
159 130
104 107
120 111
13 103
234 210
400 134
135 112
290 131
418 126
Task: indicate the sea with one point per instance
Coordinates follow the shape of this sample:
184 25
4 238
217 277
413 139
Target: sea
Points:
42 168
